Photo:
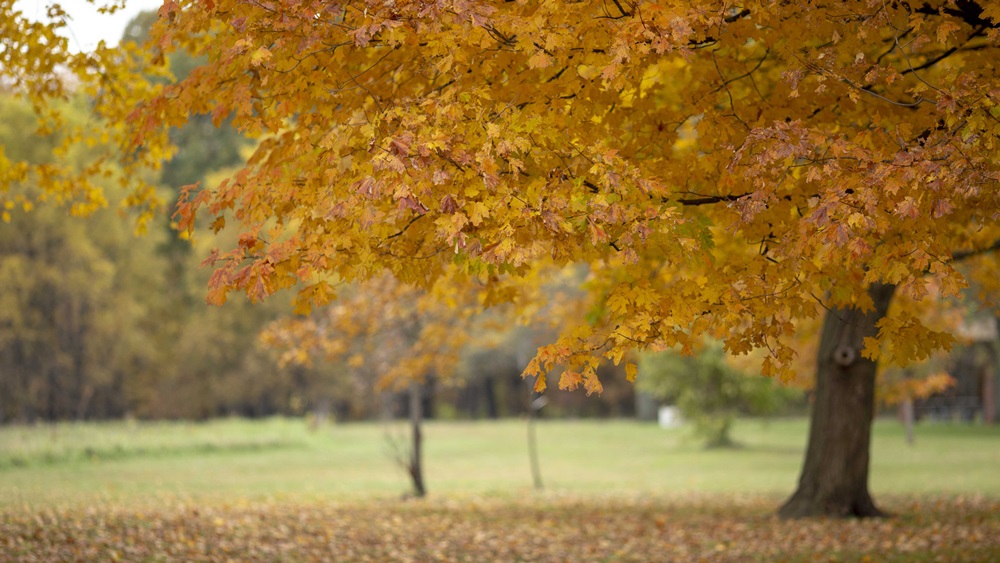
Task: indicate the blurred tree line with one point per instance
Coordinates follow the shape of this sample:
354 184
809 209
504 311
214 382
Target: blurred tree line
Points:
96 322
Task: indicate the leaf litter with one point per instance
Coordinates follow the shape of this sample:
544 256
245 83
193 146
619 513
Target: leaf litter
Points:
547 527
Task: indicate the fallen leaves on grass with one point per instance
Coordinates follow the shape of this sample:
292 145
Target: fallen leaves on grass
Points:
546 528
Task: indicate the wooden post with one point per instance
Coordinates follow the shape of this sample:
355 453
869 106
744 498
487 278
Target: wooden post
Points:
906 413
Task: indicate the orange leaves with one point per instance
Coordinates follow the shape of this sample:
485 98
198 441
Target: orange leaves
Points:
719 170
908 209
312 297
942 207
569 380
187 208
914 388
631 371
945 30
903 338
539 60
260 56
392 332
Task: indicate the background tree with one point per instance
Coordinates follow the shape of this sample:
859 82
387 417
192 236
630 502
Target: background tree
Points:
73 325
708 391
507 338
74 322
405 337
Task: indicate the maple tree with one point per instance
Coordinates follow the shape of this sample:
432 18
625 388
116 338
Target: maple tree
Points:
401 332
409 333
725 169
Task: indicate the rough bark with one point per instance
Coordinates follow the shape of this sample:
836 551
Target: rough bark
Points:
834 480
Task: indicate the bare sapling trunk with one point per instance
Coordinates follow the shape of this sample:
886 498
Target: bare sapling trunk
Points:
834 480
415 466
534 406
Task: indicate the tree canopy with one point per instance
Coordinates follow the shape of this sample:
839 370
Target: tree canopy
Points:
724 169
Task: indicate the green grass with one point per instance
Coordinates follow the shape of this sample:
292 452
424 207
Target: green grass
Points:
129 462
69 442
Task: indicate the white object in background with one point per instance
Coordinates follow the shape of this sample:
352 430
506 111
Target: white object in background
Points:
670 417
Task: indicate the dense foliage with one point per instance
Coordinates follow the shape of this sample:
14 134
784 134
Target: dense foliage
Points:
723 169
726 170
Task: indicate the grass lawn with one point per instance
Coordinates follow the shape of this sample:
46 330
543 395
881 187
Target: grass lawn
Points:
274 490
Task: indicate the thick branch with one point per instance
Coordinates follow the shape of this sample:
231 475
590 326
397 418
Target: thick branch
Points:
978 32
694 201
707 200
621 9
738 15
962 255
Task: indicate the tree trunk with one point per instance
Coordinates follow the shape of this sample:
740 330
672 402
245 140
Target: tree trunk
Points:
989 394
534 405
489 389
906 410
834 479
416 458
